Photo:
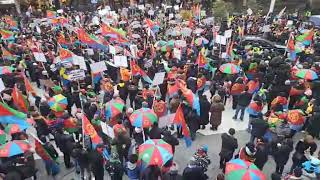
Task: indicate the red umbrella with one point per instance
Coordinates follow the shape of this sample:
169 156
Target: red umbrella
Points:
295 117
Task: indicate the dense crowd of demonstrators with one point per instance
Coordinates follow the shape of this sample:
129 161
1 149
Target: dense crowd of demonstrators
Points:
61 76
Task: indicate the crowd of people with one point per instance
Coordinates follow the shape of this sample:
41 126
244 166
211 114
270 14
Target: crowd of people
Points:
69 75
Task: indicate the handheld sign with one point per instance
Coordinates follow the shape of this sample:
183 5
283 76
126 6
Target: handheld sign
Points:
76 75
98 67
39 57
158 78
120 61
2 87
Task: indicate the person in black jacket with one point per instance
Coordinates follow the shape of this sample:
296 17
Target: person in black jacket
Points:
281 153
259 127
64 143
170 139
96 162
52 153
193 171
229 145
155 131
243 101
261 155
204 111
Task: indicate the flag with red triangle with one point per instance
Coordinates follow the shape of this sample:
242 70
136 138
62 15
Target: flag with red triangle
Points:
19 100
180 121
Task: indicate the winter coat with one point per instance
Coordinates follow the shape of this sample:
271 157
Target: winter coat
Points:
259 127
170 139
314 122
229 145
41 127
244 99
194 172
216 113
96 162
261 155
204 110
281 154
155 133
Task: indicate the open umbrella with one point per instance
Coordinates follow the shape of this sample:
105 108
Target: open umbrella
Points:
160 43
155 152
295 117
201 41
186 31
143 118
58 103
180 43
114 108
229 68
14 128
307 74
3 137
6 69
238 169
13 148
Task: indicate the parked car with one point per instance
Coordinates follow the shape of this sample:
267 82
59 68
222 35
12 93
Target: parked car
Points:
258 41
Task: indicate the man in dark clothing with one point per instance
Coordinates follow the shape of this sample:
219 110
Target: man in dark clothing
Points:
229 145
64 143
96 162
259 127
261 155
193 171
170 139
155 132
204 111
243 101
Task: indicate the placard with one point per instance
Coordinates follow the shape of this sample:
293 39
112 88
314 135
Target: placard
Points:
166 120
2 87
158 78
266 28
79 60
90 52
112 50
221 40
177 53
107 129
228 33
249 11
171 16
76 75
134 50
141 7
98 67
120 61
39 57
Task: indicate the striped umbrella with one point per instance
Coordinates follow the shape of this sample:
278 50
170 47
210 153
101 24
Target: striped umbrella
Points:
155 152
238 169
307 74
13 148
143 118
229 68
14 128
114 108
58 103
6 70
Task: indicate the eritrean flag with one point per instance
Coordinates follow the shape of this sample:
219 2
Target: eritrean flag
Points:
201 59
180 121
191 98
90 40
6 54
112 32
253 86
45 156
19 100
7 35
96 77
70 125
172 90
65 55
136 70
28 85
13 24
51 14
11 116
154 27
306 38
62 41
255 108
291 48
89 130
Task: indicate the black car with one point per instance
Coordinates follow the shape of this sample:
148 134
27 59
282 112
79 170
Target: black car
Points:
257 41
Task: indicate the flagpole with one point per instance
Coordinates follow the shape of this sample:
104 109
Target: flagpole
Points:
82 114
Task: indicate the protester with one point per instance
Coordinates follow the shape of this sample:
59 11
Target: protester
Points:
229 145
216 112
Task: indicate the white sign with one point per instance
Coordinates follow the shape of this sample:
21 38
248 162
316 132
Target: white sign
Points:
107 129
120 61
151 13
171 16
38 29
112 50
176 8
90 52
77 18
166 120
2 87
39 57
221 40
249 11
177 53
95 20
76 75
79 60
228 33
134 50
141 7
158 78
98 67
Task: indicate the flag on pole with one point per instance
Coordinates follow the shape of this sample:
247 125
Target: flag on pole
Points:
201 59
50 163
306 38
7 35
180 121
89 130
7 55
11 116
19 100
136 70
291 48
28 85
